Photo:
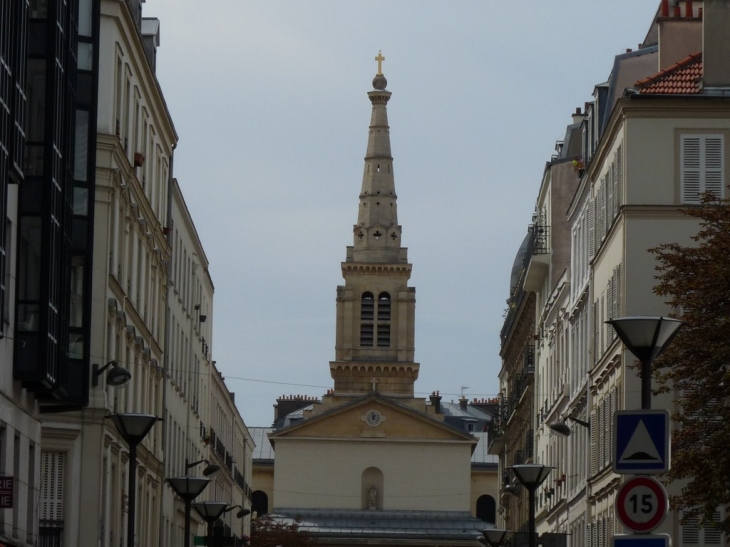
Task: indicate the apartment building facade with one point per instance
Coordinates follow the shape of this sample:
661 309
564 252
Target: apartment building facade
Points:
97 290
654 138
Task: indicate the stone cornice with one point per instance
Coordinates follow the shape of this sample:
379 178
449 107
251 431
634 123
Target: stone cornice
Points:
376 269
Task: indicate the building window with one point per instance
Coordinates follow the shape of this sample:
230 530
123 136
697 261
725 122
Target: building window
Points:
53 467
367 314
375 320
487 509
384 320
692 534
702 165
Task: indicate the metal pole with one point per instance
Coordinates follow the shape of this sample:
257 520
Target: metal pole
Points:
188 507
210 533
132 502
646 384
532 517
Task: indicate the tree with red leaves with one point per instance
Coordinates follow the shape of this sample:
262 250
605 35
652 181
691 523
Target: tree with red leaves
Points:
696 366
267 531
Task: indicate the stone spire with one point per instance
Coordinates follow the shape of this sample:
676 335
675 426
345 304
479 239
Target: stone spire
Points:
377 235
374 344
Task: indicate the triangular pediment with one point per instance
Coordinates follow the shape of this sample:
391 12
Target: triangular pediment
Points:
373 417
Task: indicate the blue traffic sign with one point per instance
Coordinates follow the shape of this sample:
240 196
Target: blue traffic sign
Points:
641 540
641 442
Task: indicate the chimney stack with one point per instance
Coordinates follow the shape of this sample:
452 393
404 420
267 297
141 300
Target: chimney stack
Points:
286 404
436 401
679 36
715 44
578 116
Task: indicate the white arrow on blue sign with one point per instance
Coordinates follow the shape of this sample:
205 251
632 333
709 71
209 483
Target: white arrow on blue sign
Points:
641 442
641 540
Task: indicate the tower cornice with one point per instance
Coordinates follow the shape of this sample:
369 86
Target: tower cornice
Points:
367 268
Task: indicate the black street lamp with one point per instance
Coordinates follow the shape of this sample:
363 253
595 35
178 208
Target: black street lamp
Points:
531 475
563 429
646 337
210 469
116 377
211 511
188 488
493 537
133 428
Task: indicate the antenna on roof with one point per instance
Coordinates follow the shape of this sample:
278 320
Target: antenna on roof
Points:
462 390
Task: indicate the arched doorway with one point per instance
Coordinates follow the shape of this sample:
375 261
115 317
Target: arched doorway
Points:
487 509
259 502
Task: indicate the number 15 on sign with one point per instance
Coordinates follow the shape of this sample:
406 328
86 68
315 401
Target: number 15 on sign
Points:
641 504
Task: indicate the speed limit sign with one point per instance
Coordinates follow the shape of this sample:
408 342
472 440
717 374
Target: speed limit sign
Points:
641 504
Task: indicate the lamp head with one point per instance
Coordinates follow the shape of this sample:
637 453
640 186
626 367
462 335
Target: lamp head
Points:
117 377
133 427
646 336
531 475
494 536
211 469
560 428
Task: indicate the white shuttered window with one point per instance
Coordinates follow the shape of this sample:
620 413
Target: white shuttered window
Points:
52 471
701 166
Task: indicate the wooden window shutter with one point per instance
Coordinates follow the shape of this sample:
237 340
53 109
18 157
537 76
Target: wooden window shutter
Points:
612 411
607 418
600 438
595 332
594 443
617 181
591 229
690 168
713 165
609 194
601 324
618 291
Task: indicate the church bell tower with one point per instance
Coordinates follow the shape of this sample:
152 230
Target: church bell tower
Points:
374 346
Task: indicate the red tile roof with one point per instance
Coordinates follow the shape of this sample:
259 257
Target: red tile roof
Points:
682 78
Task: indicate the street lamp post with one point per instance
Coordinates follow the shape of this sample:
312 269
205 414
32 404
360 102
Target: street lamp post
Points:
133 428
210 511
531 475
646 337
188 488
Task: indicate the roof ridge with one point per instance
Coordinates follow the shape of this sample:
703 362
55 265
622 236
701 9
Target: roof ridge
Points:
669 70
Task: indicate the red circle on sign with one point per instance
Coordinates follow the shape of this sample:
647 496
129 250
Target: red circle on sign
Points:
630 491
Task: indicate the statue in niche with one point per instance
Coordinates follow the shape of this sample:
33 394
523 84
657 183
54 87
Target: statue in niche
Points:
372 498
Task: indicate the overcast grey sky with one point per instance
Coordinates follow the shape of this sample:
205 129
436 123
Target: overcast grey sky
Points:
269 101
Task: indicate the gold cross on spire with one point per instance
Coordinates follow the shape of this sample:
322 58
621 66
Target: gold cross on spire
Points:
380 60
